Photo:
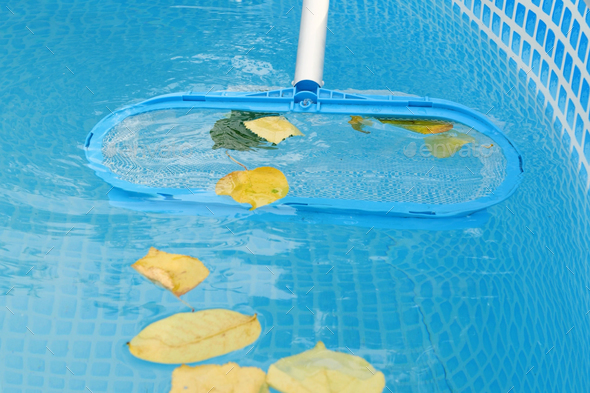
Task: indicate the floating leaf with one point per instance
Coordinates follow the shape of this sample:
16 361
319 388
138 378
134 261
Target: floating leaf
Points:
231 133
446 145
192 337
274 129
229 378
177 273
257 187
320 370
358 123
421 126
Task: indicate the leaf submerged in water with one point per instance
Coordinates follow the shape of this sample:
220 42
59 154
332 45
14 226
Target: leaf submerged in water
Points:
446 145
274 129
258 187
358 123
320 370
193 337
426 127
229 378
231 133
177 273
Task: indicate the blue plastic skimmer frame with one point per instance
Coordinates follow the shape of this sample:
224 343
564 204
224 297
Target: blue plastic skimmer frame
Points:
307 96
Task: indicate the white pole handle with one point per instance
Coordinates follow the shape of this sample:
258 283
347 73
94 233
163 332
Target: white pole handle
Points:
309 70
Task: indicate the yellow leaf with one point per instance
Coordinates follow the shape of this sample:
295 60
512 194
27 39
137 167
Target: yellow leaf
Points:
257 187
320 370
229 378
446 145
177 273
273 128
193 337
358 122
421 126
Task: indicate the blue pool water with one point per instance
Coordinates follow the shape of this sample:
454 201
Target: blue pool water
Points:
492 305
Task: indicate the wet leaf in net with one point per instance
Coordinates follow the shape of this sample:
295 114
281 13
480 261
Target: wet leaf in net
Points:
231 133
426 127
320 370
358 123
258 187
229 378
274 129
193 337
446 145
177 273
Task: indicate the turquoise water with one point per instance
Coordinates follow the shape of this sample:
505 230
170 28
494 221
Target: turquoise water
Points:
490 307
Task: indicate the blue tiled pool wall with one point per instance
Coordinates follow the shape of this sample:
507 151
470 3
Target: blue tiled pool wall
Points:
546 43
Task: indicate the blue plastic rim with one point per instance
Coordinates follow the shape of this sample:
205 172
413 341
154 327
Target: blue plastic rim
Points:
323 101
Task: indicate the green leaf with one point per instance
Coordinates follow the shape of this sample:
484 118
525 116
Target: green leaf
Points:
231 133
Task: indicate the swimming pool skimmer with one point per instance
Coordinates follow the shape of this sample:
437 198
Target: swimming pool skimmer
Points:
447 191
